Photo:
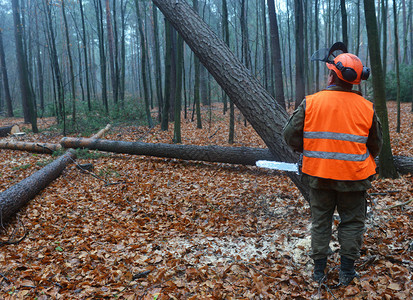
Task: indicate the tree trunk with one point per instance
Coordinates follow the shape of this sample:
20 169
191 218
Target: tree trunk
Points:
31 147
387 169
15 197
54 60
3 66
197 83
396 59
89 105
178 90
344 22
158 73
26 92
72 73
276 55
218 154
255 103
111 44
102 56
143 66
299 53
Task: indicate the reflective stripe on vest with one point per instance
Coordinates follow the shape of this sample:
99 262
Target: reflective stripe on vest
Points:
336 129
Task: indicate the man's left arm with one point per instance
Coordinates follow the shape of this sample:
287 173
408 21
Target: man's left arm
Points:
293 130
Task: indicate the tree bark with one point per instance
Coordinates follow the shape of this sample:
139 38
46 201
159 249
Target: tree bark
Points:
218 154
15 197
276 55
143 66
255 103
386 162
27 96
3 66
299 52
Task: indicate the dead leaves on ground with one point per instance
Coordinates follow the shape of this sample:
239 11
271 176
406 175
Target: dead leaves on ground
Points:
171 229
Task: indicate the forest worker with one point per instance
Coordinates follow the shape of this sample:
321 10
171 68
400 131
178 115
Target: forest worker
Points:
339 134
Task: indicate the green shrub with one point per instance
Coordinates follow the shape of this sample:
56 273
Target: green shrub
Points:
406 84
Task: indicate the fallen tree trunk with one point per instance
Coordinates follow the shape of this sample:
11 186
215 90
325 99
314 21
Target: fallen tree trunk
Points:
5 131
403 164
31 147
230 155
15 197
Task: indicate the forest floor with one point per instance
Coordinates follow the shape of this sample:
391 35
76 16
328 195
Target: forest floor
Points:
173 229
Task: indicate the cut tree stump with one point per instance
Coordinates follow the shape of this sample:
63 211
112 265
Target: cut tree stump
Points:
7 130
230 155
15 197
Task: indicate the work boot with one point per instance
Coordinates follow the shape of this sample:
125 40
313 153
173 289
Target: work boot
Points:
319 266
347 272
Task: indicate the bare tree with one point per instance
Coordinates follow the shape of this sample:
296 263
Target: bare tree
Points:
29 111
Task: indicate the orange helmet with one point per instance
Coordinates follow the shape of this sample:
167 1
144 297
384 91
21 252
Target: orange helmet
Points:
349 68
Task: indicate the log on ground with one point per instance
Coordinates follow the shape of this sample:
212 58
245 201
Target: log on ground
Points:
15 197
31 147
230 155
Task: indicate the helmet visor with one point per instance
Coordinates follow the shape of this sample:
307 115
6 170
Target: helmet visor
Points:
329 54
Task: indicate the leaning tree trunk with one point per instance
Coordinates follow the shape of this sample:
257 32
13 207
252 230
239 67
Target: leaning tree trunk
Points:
255 103
15 197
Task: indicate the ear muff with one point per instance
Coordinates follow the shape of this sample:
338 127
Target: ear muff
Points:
349 74
365 73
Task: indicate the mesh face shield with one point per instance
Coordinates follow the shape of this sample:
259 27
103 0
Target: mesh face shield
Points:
329 54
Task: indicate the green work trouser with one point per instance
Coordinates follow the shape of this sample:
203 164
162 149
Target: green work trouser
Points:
351 207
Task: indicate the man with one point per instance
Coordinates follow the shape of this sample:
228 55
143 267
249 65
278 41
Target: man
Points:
339 135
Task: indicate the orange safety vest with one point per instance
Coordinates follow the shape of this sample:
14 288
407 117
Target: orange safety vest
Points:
336 128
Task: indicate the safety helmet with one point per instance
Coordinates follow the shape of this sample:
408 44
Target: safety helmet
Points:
347 66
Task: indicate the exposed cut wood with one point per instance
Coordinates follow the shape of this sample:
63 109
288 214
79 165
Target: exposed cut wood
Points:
7 130
101 132
15 197
32 147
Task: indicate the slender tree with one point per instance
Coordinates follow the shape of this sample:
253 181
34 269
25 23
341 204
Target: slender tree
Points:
276 55
197 75
299 52
144 65
158 73
9 107
102 55
111 44
60 107
72 73
26 93
344 21
178 91
386 163
86 66
396 58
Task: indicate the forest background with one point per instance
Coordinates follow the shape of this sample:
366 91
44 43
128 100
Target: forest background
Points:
71 67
